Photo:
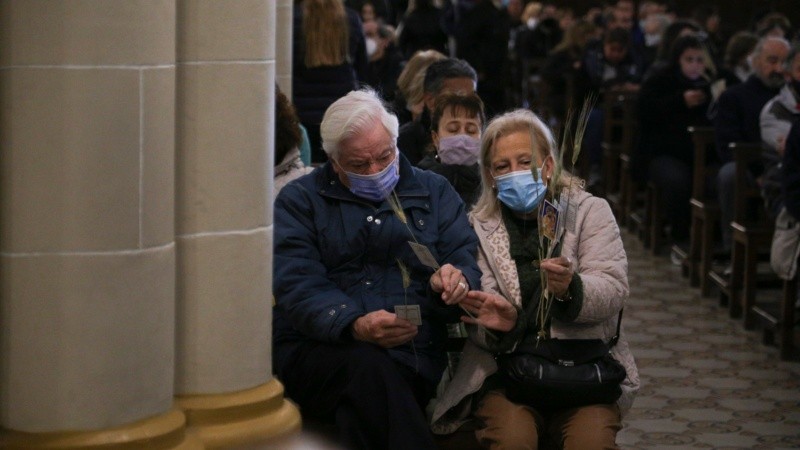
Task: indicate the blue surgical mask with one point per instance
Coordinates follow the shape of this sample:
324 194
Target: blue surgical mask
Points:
375 187
519 191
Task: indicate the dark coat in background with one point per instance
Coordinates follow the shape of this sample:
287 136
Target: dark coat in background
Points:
315 88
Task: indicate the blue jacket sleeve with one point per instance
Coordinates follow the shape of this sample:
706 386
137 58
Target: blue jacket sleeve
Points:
314 304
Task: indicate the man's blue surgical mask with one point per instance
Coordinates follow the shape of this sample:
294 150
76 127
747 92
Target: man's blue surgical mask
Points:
519 191
377 186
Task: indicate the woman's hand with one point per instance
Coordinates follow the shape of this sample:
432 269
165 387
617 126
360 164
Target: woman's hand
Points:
558 274
449 282
694 97
489 310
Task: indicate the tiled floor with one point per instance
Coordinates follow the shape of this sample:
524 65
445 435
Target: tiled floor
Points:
706 383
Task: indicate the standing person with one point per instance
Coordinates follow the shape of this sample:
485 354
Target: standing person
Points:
385 60
329 58
447 75
344 271
481 34
670 101
456 126
590 278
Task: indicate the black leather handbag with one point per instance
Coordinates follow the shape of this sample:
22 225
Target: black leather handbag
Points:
563 373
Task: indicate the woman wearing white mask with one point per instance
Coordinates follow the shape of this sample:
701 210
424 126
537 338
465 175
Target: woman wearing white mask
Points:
588 279
456 124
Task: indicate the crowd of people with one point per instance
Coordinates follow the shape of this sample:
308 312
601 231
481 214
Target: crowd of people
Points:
411 176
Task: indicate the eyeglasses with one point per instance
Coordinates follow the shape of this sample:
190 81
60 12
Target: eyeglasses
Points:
363 166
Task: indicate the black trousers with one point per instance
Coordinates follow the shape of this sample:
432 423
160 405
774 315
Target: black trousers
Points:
374 402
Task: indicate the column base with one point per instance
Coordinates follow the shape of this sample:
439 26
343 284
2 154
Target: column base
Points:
166 431
248 417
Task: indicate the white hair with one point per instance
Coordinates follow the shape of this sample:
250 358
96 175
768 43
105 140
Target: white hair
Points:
352 114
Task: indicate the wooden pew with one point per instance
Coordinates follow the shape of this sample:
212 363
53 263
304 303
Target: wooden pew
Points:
618 139
751 234
705 212
780 322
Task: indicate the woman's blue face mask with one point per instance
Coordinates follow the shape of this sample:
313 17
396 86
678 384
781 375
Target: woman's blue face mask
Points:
520 191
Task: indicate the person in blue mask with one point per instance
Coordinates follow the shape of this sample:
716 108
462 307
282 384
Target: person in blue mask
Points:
359 322
588 279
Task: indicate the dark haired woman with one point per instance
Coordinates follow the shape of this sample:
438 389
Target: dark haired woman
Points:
671 100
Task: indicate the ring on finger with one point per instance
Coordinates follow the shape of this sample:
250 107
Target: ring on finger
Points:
462 285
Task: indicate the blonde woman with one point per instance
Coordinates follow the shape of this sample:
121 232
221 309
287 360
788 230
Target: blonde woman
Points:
330 58
589 281
408 102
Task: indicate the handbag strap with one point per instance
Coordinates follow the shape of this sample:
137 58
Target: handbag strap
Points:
614 339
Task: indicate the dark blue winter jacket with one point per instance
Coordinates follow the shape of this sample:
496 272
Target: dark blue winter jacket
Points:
336 259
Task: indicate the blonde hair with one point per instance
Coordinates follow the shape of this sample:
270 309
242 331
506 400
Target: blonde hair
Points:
532 10
542 141
326 33
412 79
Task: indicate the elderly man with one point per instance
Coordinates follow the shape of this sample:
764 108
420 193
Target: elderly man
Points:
737 120
360 317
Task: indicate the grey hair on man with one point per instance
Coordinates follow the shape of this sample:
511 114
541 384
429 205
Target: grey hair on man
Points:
352 114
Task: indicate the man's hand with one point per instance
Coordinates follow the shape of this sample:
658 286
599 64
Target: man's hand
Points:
490 311
383 328
558 273
449 282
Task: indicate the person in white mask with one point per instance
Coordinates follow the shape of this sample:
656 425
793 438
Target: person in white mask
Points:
588 280
456 124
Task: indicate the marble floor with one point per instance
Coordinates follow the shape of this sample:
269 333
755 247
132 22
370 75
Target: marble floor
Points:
706 382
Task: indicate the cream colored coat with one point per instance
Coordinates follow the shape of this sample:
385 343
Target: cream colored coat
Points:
596 248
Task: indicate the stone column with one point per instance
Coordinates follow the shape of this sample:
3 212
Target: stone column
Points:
87 252
224 170
284 46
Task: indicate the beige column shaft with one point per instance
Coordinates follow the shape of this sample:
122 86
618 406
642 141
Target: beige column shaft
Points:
283 46
87 252
225 91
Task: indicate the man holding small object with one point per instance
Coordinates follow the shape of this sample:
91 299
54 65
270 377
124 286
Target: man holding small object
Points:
359 321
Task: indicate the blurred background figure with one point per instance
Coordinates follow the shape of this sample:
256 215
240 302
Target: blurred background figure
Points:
420 29
736 63
408 100
288 139
329 59
670 101
385 60
480 31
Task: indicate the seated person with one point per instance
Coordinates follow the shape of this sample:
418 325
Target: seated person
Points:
610 65
777 117
589 281
445 75
456 125
344 269
670 101
288 140
737 120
